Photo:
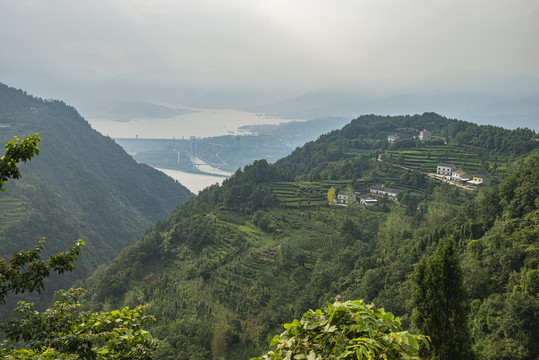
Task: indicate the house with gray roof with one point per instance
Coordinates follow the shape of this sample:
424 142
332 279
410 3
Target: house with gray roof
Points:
445 169
382 190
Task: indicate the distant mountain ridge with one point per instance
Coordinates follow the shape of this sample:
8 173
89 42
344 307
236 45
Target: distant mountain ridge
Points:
483 98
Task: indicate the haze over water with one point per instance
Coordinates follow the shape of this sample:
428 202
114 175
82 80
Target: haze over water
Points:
201 123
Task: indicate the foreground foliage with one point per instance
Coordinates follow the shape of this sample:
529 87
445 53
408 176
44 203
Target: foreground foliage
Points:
349 330
17 150
66 330
26 271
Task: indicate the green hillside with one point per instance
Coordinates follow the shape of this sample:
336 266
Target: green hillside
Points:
232 264
82 185
472 148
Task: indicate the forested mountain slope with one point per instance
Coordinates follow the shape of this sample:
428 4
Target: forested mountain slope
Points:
82 185
232 264
499 237
472 148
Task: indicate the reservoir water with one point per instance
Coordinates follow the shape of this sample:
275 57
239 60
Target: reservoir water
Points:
200 123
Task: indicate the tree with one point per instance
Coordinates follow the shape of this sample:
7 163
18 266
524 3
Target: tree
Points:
349 330
440 303
332 198
25 270
350 196
16 151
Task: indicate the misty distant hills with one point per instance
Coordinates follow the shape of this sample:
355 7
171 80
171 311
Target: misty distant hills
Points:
473 95
474 82
128 110
481 109
478 97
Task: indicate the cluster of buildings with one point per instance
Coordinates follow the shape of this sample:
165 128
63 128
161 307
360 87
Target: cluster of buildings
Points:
448 170
345 197
451 173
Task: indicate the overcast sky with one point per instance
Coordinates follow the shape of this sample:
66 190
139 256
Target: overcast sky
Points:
315 43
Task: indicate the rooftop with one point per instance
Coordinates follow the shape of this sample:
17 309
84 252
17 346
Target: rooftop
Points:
446 164
386 189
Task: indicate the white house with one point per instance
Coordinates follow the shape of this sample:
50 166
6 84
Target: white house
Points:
445 169
460 176
392 138
342 198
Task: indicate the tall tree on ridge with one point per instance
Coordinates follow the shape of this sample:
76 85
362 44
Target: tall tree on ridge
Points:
440 303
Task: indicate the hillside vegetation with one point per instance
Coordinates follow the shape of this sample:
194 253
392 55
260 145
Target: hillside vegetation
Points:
81 186
232 264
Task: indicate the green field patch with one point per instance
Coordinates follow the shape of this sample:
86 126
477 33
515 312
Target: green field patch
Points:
256 267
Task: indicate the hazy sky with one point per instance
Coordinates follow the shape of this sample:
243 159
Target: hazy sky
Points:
269 42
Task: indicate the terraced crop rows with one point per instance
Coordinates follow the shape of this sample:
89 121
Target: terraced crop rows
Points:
248 269
305 246
11 210
293 194
426 159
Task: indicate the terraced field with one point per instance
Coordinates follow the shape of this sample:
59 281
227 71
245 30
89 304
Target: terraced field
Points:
305 194
305 249
11 210
467 158
247 271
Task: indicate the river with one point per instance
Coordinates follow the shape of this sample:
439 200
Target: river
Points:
194 182
197 182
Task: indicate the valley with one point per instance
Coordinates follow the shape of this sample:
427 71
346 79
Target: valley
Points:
269 180
227 267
